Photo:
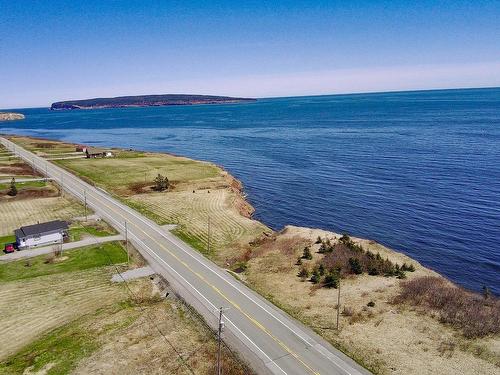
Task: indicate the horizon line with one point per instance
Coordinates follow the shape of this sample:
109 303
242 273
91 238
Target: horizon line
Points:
291 96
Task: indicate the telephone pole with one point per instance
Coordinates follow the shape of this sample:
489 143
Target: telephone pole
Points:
126 243
85 203
219 341
338 306
208 245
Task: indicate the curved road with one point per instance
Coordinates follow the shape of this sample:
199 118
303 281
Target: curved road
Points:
267 338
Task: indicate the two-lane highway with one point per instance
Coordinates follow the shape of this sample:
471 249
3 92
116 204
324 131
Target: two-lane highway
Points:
267 338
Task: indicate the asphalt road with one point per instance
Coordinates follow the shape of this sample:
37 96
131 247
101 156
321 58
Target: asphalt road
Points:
267 338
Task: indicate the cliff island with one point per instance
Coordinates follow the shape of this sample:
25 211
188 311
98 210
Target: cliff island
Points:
147 101
10 116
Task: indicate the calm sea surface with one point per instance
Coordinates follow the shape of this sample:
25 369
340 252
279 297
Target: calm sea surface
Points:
416 171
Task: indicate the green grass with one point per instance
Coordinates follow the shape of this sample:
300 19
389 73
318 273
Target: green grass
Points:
117 173
26 184
62 348
6 239
193 241
78 259
76 233
158 219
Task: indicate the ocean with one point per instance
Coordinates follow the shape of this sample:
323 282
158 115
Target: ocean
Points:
416 171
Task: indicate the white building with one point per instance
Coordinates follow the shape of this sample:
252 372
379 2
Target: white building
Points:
41 234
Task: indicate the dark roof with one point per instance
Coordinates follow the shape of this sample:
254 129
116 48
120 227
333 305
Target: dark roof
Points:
41 228
95 150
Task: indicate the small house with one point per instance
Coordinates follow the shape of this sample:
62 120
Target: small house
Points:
81 148
41 234
94 152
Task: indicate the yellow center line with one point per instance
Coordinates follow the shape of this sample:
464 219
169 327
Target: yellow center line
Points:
234 304
202 278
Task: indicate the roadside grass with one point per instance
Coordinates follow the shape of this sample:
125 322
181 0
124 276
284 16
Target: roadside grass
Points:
143 209
193 241
74 260
78 230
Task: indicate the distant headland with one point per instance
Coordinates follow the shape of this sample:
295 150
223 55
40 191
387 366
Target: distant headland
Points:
9 116
146 101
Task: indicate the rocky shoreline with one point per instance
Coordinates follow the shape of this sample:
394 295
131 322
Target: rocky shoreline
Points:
11 116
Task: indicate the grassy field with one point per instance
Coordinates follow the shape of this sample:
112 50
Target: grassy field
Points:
120 174
59 319
191 211
21 185
81 259
30 211
43 146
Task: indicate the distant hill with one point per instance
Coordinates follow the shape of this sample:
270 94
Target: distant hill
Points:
8 116
146 101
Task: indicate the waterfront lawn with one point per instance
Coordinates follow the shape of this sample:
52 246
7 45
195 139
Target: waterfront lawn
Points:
121 173
71 260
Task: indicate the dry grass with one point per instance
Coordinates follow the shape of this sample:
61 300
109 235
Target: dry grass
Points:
30 211
386 338
475 315
191 211
34 306
141 349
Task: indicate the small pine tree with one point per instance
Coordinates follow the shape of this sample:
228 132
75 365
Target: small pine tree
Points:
13 189
321 269
161 183
319 240
345 239
307 253
303 273
316 277
355 266
332 280
299 261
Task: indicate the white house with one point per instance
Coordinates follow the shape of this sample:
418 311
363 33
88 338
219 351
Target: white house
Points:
41 234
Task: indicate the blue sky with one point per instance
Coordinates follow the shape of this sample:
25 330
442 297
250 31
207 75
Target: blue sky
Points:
56 50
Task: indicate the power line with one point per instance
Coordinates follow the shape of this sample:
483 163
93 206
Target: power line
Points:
143 310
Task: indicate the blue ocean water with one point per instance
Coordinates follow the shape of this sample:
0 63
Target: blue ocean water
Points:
416 171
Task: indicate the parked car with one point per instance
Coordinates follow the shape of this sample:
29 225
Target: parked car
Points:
9 248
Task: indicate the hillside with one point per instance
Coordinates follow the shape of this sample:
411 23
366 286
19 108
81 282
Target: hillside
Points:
8 116
146 101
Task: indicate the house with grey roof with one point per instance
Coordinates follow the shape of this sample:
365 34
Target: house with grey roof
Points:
40 234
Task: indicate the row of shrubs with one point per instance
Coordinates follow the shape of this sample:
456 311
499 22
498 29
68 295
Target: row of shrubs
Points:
475 315
346 257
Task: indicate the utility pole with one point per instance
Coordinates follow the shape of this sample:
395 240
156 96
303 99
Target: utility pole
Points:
126 243
219 340
338 307
208 244
85 203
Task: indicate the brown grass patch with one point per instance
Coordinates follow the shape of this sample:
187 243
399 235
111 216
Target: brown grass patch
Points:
475 315
19 169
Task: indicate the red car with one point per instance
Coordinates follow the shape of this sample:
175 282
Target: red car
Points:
9 248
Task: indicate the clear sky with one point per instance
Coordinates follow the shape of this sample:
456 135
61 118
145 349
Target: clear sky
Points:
57 50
